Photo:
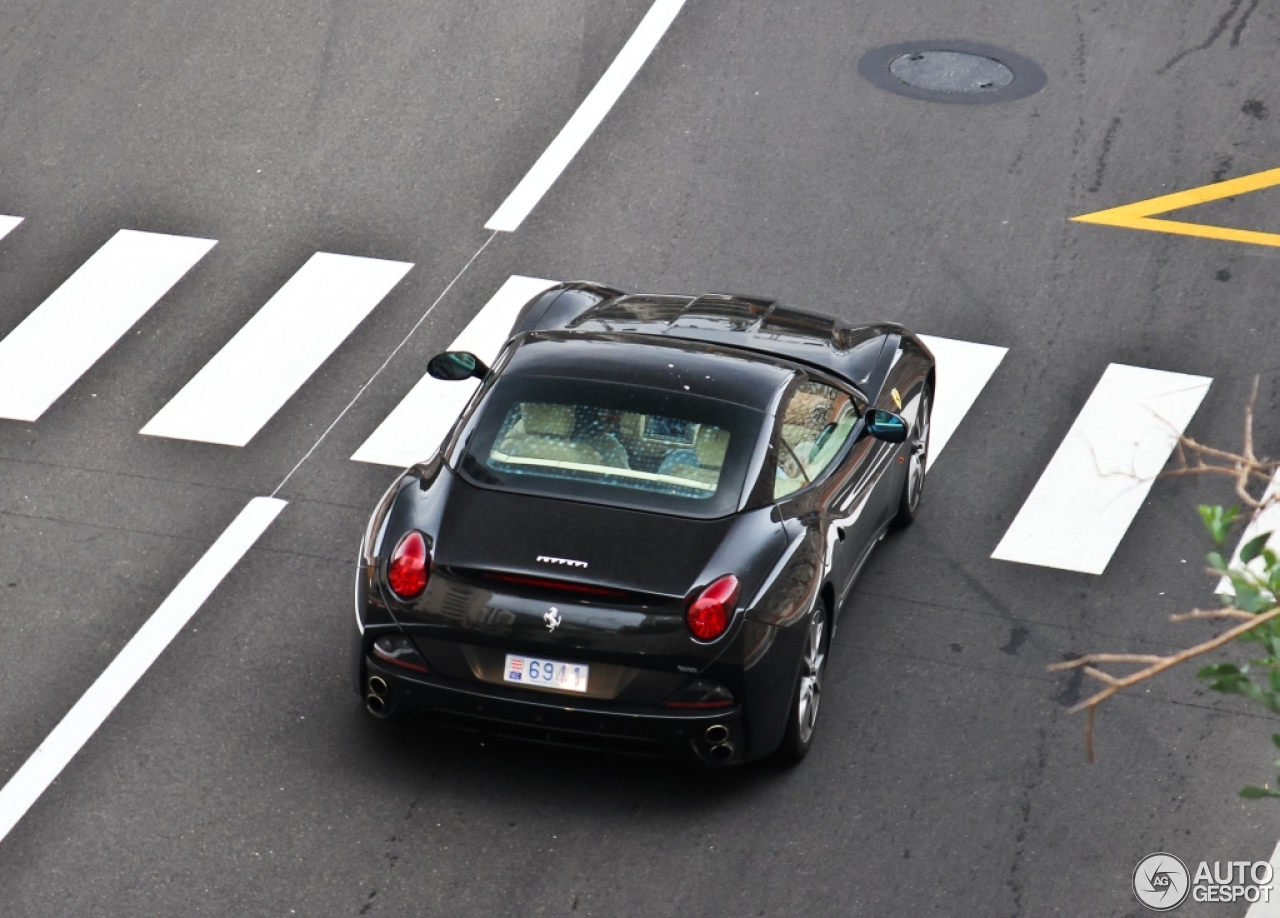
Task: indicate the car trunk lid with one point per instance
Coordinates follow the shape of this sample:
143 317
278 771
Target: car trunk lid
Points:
589 550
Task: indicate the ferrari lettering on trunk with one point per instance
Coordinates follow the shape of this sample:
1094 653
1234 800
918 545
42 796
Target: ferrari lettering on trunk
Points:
568 562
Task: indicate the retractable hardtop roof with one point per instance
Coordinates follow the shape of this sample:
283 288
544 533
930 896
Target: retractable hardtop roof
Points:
850 352
672 364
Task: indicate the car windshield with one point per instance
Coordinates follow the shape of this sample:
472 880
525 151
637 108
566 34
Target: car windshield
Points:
647 448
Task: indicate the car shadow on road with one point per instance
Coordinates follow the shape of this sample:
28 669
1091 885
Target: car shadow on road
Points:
430 757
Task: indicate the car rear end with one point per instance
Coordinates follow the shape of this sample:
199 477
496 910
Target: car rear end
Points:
542 585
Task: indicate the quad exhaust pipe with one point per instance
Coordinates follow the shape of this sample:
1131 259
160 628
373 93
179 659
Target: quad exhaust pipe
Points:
376 699
721 753
721 750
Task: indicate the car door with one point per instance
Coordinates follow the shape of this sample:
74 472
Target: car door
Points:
830 473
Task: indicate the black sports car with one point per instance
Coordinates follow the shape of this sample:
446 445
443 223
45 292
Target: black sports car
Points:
641 530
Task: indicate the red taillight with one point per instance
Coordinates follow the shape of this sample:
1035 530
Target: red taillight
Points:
410 567
708 614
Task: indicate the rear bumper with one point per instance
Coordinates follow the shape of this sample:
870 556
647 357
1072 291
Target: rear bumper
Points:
554 719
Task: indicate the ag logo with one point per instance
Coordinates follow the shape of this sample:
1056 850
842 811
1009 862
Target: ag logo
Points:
1161 882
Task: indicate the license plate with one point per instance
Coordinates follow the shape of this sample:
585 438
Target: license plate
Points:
555 674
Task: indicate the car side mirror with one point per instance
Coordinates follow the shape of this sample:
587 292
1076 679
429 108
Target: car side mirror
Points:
886 426
454 365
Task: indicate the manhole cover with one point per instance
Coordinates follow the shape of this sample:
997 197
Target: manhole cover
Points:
952 71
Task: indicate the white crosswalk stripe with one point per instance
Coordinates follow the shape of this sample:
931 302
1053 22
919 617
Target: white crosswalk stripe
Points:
268 360
1270 908
1093 487
7 224
414 429
80 321
963 370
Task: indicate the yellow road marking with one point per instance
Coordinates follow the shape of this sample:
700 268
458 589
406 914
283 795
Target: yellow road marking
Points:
1141 215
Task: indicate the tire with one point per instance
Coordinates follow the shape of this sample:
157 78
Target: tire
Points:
917 462
807 694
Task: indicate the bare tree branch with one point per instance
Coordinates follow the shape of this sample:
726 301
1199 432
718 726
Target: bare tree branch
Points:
1192 458
1100 675
1211 613
1107 658
1244 468
1249 457
1157 665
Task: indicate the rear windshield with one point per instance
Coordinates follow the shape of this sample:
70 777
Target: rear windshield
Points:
652 449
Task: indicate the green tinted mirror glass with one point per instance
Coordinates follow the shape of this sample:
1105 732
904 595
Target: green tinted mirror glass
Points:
454 365
887 426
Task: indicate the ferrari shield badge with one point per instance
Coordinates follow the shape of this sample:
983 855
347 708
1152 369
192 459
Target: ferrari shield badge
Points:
897 398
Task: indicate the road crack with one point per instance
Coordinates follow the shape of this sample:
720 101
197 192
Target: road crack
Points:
1214 35
1244 21
1101 169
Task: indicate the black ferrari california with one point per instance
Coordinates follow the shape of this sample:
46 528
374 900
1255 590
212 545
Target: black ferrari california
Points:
641 531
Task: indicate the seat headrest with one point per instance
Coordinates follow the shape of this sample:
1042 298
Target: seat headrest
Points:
546 420
710 445
803 406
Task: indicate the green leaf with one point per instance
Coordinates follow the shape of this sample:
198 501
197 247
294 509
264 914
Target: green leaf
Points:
1230 685
1253 792
1254 547
1275 738
1207 514
1216 561
1256 694
1218 520
1248 597
1219 669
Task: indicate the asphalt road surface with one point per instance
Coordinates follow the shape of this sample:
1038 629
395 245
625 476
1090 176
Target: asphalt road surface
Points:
241 776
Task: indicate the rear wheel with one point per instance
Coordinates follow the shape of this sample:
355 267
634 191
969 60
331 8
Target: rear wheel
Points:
917 462
808 690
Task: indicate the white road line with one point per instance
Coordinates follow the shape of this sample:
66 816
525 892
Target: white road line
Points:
526 195
964 368
1096 482
1269 909
268 360
95 705
7 224
54 346
414 429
